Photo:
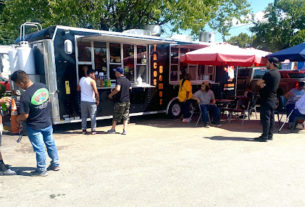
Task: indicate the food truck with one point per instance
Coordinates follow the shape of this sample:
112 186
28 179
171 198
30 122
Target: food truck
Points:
59 56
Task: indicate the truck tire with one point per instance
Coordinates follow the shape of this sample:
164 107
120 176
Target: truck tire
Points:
175 109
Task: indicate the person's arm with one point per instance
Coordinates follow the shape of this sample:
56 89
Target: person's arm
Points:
22 117
78 87
288 95
115 91
24 110
93 85
194 97
213 100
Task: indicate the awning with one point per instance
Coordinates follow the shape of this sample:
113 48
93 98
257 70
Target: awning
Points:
126 39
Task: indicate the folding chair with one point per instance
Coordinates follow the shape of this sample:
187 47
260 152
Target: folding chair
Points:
197 110
286 121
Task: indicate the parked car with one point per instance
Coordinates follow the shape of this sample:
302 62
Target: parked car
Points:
249 76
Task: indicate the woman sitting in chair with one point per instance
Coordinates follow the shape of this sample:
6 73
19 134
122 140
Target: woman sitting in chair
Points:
206 99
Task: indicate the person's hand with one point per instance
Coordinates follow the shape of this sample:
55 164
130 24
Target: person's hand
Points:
110 96
198 101
6 99
97 102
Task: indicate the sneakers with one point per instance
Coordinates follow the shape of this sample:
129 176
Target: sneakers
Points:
111 131
124 132
216 124
39 173
8 172
84 131
93 132
186 120
54 168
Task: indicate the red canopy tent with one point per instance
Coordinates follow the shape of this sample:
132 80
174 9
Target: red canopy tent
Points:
226 54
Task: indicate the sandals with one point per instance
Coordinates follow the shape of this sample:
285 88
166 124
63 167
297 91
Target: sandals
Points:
93 133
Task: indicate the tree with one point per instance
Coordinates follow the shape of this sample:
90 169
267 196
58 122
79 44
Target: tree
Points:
242 40
285 17
119 15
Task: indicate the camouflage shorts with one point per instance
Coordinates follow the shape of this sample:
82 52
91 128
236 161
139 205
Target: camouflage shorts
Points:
121 111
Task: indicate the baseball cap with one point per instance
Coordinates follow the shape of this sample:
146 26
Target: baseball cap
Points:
275 61
119 69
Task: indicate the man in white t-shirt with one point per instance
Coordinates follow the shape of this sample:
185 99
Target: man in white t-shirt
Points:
206 99
89 100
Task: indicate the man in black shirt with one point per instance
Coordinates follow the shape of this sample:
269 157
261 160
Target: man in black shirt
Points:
268 93
35 110
120 96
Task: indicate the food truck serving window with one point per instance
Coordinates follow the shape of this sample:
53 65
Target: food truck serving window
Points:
103 57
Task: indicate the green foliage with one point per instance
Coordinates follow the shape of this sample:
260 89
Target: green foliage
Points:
242 40
119 15
298 38
285 17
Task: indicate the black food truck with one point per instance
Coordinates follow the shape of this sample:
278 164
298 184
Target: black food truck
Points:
59 55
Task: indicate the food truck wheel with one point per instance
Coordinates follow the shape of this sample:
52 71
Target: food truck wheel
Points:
175 110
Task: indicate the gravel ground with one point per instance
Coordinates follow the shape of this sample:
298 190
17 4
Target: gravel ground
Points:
161 162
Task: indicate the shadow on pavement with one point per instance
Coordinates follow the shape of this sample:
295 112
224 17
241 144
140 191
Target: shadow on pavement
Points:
24 171
221 138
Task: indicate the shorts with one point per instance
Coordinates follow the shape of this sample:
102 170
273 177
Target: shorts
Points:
121 111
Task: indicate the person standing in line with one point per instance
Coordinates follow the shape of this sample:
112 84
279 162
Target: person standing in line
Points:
185 96
121 98
4 170
89 100
35 109
268 93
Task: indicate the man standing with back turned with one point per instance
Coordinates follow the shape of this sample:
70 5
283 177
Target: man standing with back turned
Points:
35 109
268 93
121 98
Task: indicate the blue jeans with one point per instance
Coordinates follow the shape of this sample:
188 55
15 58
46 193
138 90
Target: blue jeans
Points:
295 114
215 112
39 139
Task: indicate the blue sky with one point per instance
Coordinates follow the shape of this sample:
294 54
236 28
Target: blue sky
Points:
256 6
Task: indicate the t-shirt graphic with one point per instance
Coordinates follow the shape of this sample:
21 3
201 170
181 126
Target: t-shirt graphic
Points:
40 96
